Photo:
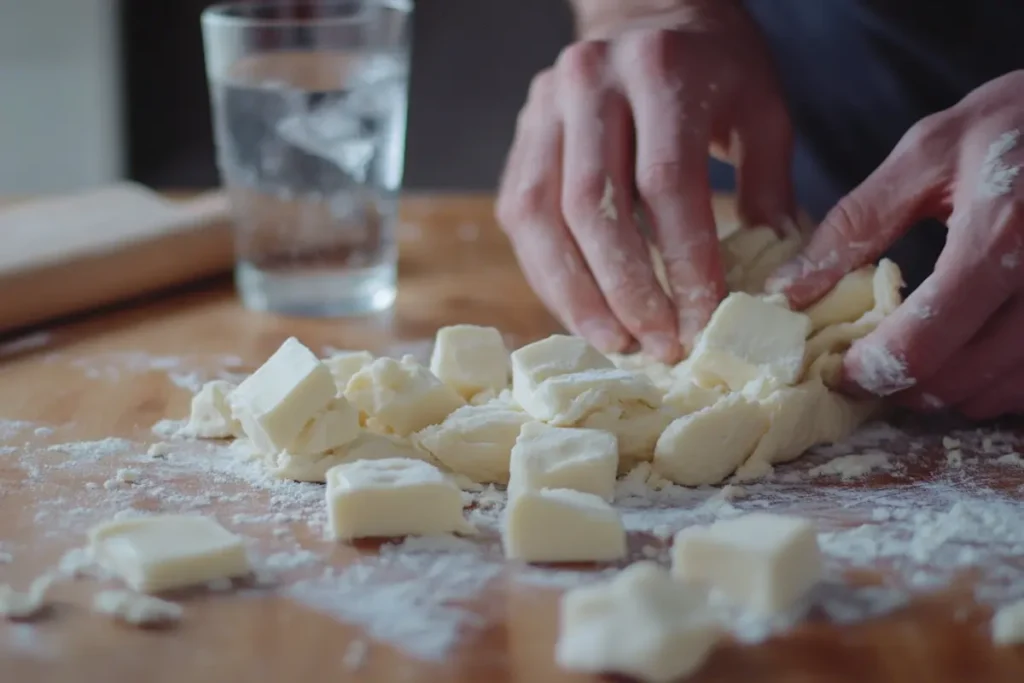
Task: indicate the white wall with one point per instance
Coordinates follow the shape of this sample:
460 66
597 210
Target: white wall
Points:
60 121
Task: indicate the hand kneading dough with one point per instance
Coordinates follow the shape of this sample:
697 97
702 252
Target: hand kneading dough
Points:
392 497
470 359
564 458
748 338
211 415
763 562
164 552
641 624
476 441
277 401
400 397
562 525
707 446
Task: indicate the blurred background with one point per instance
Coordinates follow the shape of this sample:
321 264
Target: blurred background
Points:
98 90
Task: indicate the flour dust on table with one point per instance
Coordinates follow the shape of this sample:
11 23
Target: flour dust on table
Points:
494 463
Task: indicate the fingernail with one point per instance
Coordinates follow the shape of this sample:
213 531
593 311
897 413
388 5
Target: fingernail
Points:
664 347
604 336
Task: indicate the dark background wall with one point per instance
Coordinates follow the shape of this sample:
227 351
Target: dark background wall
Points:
471 66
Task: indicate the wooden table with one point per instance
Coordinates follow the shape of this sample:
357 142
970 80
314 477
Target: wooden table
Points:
109 375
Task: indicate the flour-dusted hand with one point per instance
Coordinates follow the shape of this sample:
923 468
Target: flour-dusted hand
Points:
624 121
956 341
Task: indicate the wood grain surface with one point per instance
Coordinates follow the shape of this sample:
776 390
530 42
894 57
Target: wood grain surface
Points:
115 373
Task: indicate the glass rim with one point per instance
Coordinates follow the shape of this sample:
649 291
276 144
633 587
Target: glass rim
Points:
221 14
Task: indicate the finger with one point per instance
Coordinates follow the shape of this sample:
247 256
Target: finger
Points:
995 351
908 186
596 200
672 180
1004 397
941 316
529 211
763 152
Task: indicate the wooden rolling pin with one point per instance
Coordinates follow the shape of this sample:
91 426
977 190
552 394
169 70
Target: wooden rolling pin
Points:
73 253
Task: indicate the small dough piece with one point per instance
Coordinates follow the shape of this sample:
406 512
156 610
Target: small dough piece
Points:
28 605
136 609
800 417
165 552
748 338
564 458
210 417
852 297
566 400
562 525
401 397
642 624
707 446
344 364
475 441
470 359
1008 624
392 497
763 562
661 374
366 446
556 355
886 284
637 428
686 396
333 428
276 402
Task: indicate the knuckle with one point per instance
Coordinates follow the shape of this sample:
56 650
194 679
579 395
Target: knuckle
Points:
659 180
583 62
654 51
843 219
521 205
926 139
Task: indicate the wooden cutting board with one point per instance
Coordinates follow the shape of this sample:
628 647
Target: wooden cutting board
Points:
67 254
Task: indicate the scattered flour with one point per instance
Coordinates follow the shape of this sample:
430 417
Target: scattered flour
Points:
168 429
81 451
1011 459
881 372
848 467
996 177
355 654
136 609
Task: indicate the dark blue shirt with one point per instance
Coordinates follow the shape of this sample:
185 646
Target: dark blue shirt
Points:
857 74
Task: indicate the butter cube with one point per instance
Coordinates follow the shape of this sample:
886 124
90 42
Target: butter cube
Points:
558 354
276 402
344 364
401 397
564 458
748 338
165 552
392 497
568 399
562 525
210 417
760 561
334 427
470 359
476 441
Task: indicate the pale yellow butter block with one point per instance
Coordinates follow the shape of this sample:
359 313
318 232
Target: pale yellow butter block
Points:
641 624
276 402
165 552
637 428
392 497
331 429
556 355
475 441
210 416
344 364
366 446
564 458
401 397
748 338
470 359
707 446
568 399
763 562
562 525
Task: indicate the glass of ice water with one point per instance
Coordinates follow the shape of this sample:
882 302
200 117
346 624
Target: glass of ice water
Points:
309 111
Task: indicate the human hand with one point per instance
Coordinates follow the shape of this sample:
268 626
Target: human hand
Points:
958 341
638 103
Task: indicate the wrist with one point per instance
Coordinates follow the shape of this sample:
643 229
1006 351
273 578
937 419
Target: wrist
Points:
602 18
